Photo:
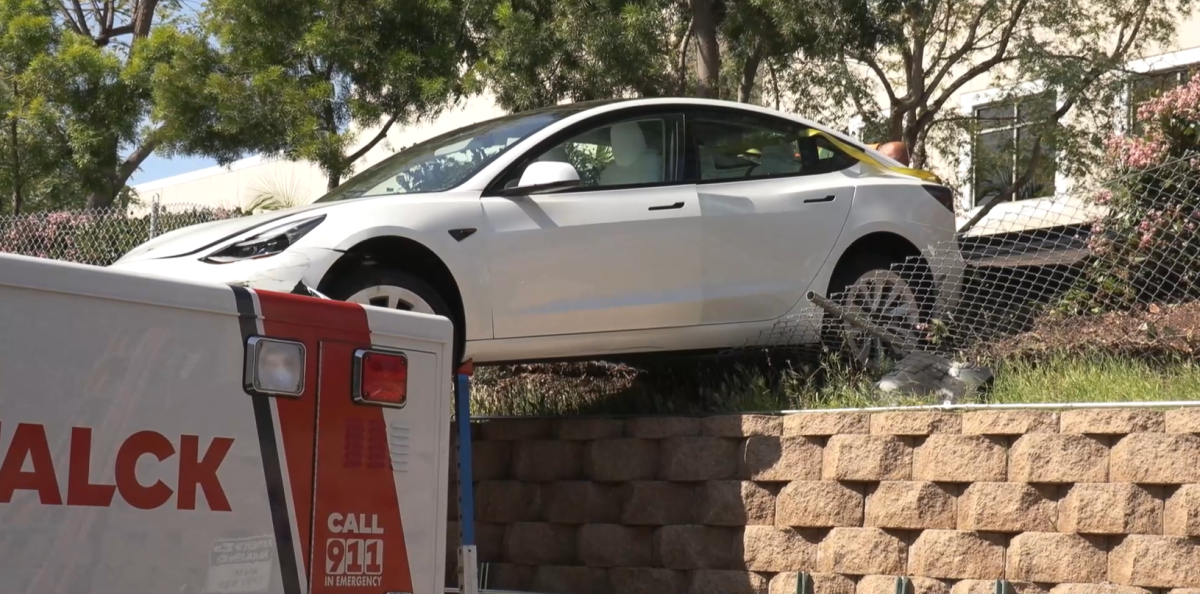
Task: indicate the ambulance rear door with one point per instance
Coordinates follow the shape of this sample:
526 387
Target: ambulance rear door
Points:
379 499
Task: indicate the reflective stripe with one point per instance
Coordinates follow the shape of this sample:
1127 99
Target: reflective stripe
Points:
866 158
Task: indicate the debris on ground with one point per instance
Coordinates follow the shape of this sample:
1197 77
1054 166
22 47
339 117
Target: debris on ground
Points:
931 374
1158 330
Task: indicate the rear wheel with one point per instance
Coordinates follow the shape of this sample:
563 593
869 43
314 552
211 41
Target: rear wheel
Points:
396 289
877 292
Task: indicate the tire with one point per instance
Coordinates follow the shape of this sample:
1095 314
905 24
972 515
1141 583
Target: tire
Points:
880 291
397 289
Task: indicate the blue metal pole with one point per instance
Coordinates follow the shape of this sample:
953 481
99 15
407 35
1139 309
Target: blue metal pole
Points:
468 563
466 483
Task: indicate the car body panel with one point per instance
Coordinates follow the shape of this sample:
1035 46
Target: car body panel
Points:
764 240
430 225
616 265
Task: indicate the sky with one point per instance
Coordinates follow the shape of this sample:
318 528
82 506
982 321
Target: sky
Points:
156 167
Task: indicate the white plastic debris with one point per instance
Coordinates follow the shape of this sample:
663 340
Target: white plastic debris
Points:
926 374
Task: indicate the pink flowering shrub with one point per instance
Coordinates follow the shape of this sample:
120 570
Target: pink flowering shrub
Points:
1136 153
96 237
1146 247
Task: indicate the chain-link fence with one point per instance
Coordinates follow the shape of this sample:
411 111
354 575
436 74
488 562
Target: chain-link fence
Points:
98 236
1112 265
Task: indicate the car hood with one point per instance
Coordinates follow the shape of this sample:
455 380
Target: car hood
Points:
196 238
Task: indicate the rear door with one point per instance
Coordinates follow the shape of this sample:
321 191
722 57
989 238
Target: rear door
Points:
363 477
773 201
376 477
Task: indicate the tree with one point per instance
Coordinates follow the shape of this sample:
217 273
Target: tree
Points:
301 77
767 37
929 51
536 53
26 31
96 89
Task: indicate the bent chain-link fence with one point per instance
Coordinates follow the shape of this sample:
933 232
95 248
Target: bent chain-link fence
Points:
1113 264
98 236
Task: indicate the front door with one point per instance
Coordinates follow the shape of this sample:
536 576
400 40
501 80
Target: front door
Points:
620 252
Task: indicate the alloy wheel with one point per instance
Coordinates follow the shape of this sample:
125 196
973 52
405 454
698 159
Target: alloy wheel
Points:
884 300
392 297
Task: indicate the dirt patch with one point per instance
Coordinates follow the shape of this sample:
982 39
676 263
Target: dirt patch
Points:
1156 331
677 385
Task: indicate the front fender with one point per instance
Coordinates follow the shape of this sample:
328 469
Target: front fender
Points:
464 259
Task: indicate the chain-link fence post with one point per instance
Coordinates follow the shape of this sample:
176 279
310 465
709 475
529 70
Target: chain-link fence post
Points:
154 216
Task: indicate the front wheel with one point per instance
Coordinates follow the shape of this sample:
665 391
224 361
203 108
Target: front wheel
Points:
396 289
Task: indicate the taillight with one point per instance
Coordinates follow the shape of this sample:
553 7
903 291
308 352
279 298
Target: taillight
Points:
944 196
380 378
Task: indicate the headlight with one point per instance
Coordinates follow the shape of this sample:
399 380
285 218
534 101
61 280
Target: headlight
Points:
268 243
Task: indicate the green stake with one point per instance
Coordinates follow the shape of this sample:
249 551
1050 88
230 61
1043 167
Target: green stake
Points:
803 583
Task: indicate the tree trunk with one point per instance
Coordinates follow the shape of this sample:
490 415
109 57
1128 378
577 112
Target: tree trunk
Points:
334 168
101 199
749 74
895 125
681 68
914 141
708 67
143 17
18 199
774 82
141 21
919 153
122 172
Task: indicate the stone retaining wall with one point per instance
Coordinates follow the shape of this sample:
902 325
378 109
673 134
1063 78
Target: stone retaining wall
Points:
1092 501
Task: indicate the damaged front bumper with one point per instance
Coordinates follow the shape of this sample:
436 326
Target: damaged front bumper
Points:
283 272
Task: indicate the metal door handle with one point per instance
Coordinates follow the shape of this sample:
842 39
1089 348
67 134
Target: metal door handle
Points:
828 198
668 206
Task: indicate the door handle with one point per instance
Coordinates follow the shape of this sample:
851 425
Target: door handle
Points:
668 206
828 198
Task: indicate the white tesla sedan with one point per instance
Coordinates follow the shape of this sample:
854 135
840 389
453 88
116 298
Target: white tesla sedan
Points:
600 229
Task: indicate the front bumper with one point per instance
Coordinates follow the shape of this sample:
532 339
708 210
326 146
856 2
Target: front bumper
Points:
280 272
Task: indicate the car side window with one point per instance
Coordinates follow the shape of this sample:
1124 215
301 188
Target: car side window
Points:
631 152
738 147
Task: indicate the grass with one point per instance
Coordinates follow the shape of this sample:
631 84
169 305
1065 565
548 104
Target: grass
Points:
1097 379
690 387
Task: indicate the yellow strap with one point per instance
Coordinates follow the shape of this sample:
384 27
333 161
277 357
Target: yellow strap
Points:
865 158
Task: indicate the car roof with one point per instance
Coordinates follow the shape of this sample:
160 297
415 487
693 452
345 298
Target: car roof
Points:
605 105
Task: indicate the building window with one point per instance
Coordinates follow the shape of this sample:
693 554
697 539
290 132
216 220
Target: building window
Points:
1147 86
1002 142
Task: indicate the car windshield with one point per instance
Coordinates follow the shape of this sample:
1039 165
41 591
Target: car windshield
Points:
445 161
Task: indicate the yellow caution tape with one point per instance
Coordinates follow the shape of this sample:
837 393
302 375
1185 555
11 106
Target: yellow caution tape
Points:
865 158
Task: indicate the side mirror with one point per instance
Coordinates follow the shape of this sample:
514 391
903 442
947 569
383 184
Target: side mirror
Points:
544 176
